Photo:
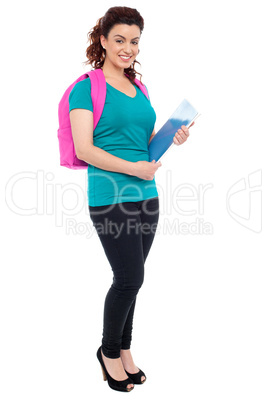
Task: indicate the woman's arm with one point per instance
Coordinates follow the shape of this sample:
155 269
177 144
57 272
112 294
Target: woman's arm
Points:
82 131
82 123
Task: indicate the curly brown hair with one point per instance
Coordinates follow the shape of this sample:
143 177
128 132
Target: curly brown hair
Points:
115 15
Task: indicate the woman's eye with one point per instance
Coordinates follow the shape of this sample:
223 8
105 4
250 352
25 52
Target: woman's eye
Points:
121 41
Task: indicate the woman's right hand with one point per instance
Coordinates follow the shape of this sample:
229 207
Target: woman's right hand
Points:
146 170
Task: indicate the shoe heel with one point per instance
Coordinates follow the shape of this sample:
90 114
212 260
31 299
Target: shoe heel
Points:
114 384
103 372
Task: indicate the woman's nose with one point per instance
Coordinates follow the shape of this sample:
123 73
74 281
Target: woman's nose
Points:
127 48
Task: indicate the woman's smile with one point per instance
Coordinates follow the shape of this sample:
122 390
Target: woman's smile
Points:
125 58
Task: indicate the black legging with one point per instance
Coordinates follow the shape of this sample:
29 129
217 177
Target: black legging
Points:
126 231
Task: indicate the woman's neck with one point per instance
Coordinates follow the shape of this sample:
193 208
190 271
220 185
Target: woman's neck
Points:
110 71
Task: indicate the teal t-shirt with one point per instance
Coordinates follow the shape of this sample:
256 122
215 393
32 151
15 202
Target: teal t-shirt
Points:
123 130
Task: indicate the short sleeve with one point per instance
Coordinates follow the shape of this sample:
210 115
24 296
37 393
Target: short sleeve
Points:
80 96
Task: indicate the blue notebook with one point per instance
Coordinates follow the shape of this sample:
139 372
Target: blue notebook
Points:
185 114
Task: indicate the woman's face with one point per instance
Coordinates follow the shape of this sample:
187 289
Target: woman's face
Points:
122 45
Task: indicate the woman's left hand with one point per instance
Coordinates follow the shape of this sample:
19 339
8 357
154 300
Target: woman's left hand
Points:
181 135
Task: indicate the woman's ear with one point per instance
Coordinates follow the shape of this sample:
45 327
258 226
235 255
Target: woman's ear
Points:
103 41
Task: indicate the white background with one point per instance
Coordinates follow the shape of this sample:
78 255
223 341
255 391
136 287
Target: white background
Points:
200 324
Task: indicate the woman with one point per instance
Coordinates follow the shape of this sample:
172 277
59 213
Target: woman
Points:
122 193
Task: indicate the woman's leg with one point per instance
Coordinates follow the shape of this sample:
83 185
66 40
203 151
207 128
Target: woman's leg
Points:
149 216
117 227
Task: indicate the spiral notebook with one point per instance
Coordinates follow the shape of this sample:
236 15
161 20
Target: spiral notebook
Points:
185 115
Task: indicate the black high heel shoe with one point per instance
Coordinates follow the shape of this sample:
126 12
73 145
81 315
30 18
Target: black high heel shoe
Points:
136 378
114 384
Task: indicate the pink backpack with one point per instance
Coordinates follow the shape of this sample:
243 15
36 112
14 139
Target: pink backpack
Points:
68 156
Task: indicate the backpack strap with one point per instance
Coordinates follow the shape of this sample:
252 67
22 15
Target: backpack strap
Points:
98 93
142 87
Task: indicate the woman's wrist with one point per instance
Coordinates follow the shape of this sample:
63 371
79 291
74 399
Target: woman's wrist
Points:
131 169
